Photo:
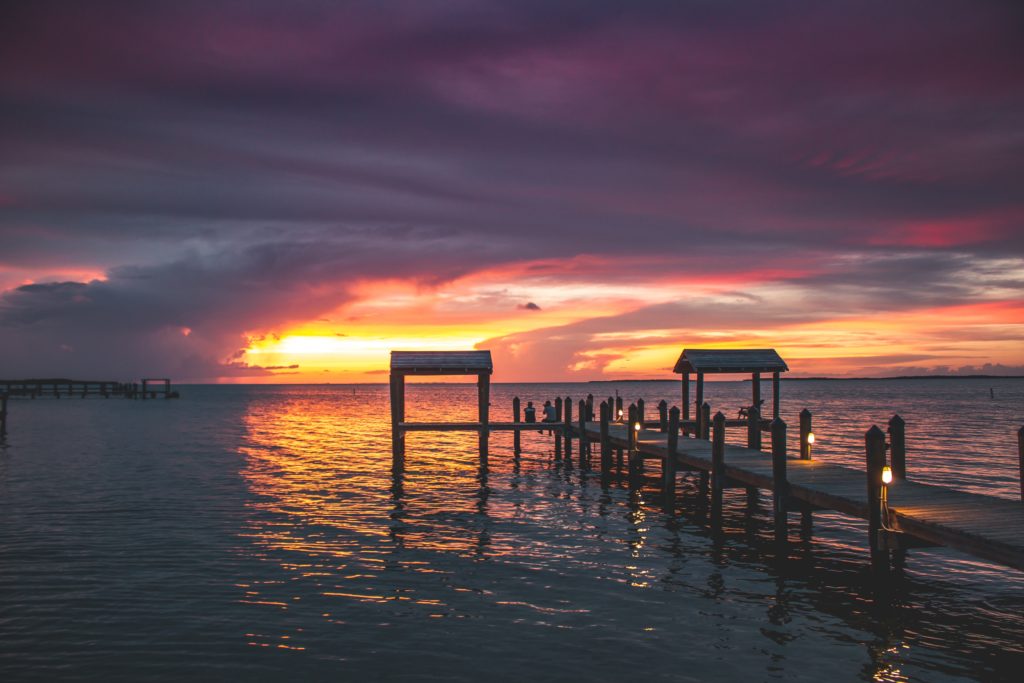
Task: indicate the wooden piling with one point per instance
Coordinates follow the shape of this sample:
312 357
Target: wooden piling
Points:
584 445
516 441
705 421
590 407
668 470
686 397
805 430
874 446
567 423
754 428
1020 456
717 466
631 433
898 447
483 383
663 415
558 432
606 444
776 394
780 484
640 415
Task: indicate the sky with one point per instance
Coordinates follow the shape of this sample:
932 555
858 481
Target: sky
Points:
256 191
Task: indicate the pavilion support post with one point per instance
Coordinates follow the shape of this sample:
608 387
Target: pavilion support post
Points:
668 469
584 444
397 418
717 468
705 421
663 415
483 385
516 434
755 383
780 484
874 446
686 396
699 405
606 444
805 431
776 390
898 447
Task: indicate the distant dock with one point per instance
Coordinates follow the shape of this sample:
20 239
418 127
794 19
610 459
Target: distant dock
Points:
78 388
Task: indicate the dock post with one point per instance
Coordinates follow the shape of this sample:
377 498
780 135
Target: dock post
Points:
3 416
397 418
705 421
611 409
754 443
668 468
606 444
1020 456
754 428
805 430
584 442
590 407
663 415
516 434
567 427
874 446
898 447
558 432
640 415
780 484
717 467
631 440
619 413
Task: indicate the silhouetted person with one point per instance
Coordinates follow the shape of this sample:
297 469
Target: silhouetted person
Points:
530 413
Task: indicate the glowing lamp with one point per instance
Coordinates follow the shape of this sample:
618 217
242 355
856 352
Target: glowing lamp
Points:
620 413
810 438
637 426
886 475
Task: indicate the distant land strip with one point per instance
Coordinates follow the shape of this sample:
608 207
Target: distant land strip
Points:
829 379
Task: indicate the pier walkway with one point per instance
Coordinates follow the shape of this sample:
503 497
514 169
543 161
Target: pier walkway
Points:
984 526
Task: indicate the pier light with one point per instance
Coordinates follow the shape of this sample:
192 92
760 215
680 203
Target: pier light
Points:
636 426
620 413
810 438
886 475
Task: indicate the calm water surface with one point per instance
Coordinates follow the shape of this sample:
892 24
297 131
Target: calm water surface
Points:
257 533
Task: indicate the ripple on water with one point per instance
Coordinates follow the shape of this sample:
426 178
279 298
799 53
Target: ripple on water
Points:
258 531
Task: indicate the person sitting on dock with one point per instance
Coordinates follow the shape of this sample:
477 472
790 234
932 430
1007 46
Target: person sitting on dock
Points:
530 413
549 413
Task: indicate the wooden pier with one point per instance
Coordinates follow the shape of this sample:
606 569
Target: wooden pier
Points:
901 513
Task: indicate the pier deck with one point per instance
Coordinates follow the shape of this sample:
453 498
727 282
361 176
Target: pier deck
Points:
984 526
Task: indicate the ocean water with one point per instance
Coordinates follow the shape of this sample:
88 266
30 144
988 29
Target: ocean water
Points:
257 533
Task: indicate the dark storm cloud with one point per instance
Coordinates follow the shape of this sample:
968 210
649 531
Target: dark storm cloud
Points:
237 165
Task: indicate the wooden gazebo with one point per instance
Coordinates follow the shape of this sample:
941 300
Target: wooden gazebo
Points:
735 361
406 363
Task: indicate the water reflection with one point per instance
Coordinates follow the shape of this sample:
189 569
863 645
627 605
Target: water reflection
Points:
534 540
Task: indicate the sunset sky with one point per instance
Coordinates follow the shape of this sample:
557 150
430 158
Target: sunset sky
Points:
285 191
